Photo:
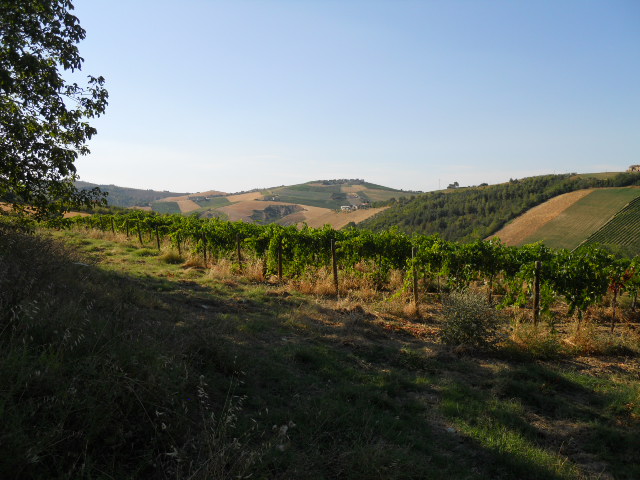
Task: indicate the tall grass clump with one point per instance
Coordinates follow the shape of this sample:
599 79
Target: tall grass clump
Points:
470 321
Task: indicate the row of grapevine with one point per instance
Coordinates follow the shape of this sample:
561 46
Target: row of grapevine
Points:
581 277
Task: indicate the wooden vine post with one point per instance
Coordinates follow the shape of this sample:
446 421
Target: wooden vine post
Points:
415 278
140 234
239 251
157 237
536 293
204 249
113 227
614 304
335 267
280 261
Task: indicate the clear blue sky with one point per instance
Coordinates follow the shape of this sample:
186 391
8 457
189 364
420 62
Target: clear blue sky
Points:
235 95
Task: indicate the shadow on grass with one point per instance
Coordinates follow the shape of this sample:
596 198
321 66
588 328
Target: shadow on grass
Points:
130 376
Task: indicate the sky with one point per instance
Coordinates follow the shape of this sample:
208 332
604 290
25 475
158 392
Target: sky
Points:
237 95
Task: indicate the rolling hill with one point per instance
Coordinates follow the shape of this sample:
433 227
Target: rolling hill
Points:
335 202
568 220
607 216
129 197
472 213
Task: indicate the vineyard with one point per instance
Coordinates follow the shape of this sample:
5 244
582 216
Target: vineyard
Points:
532 274
623 229
583 218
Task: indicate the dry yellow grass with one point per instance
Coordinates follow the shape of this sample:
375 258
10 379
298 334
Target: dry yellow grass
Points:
244 210
352 188
244 197
208 193
527 224
317 217
187 205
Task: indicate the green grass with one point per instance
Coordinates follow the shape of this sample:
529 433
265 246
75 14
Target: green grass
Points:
599 176
165 207
215 202
133 367
623 230
584 218
320 196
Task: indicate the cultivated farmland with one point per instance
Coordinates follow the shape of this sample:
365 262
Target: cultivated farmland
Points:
622 230
581 219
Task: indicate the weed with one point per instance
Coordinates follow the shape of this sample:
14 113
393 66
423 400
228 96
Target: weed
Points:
538 341
470 321
171 257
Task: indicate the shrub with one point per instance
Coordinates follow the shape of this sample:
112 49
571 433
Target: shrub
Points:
470 321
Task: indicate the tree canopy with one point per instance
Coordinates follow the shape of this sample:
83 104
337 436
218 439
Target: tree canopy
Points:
44 116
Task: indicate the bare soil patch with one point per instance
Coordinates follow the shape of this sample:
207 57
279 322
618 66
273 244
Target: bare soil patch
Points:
527 224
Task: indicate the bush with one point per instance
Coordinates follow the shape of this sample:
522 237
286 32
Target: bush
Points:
470 321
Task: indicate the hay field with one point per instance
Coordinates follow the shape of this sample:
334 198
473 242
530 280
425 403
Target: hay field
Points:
244 197
244 210
317 217
580 220
187 205
526 225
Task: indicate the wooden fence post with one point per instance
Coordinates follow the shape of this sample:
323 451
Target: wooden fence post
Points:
415 278
536 293
280 261
335 267
239 251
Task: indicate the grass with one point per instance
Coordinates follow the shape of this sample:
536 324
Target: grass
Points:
622 230
166 207
215 202
584 217
129 366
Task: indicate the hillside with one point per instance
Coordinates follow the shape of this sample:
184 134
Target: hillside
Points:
622 231
316 203
467 214
128 197
590 210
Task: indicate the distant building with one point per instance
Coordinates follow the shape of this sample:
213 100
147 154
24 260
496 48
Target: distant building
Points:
634 168
346 208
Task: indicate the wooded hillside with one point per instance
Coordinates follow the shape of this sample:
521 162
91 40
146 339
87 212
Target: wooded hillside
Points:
472 213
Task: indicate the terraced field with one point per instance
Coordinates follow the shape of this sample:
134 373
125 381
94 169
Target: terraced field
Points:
584 218
623 230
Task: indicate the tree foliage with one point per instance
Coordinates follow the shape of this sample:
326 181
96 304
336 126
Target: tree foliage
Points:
473 213
43 116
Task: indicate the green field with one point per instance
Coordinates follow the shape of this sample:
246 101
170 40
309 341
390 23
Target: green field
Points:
623 230
166 207
598 176
584 218
215 202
